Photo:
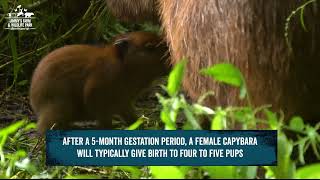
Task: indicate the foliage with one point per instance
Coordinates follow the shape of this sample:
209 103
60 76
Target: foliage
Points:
20 51
248 118
16 163
22 155
301 10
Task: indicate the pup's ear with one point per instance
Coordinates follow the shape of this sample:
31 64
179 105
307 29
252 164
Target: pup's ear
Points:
121 46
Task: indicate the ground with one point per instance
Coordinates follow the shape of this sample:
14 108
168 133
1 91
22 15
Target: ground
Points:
15 106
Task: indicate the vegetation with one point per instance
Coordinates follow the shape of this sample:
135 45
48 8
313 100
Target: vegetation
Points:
15 143
22 155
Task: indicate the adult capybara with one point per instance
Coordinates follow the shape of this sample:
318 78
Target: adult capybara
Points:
249 34
85 83
137 10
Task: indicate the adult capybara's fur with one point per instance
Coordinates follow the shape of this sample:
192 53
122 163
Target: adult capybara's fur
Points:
86 83
249 34
134 11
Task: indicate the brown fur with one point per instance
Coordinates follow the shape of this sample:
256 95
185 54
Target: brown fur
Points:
249 34
134 10
80 82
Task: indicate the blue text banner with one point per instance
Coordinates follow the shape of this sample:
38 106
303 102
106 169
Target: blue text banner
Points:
161 148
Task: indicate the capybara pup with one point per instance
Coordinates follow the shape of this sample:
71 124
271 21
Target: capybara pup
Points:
86 83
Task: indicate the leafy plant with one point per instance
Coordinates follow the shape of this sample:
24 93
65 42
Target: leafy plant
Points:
247 117
14 145
17 148
301 10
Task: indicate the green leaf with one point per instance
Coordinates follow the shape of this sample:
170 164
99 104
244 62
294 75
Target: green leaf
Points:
244 115
302 19
26 165
219 120
221 172
20 153
247 172
272 119
22 83
285 167
301 146
170 110
191 119
309 172
229 74
226 73
12 128
200 109
30 126
165 117
166 172
296 123
314 138
243 92
176 77
185 169
136 124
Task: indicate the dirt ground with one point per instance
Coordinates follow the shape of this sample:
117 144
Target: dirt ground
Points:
15 106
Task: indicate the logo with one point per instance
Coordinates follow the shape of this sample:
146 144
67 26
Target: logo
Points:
20 19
